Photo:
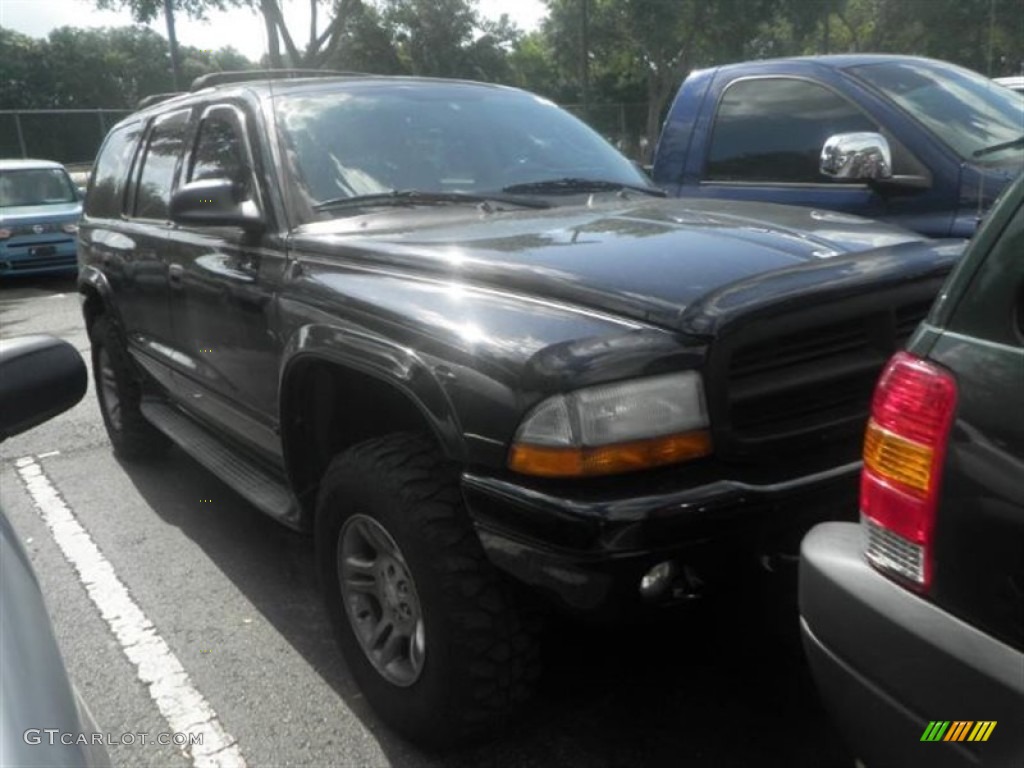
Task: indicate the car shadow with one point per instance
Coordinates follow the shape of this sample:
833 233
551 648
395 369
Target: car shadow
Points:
722 684
30 286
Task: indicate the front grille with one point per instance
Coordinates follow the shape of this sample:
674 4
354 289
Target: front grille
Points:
790 378
22 265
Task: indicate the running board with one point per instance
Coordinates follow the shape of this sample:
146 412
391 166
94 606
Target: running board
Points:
257 485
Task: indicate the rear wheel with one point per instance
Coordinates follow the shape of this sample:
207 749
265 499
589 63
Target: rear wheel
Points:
435 637
119 393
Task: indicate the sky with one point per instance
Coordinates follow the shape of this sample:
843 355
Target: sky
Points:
239 28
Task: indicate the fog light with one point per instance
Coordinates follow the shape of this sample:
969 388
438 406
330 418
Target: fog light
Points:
657 580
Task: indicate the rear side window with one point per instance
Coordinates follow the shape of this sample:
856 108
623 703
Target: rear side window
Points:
992 308
115 159
772 130
159 164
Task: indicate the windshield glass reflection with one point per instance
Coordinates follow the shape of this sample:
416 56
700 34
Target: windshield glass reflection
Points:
967 111
444 138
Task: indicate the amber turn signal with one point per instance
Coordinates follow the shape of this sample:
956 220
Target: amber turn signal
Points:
547 461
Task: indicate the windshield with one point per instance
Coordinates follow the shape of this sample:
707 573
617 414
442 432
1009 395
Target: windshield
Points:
432 137
35 186
967 111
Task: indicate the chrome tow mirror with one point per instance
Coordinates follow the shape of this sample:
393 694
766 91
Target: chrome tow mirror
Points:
856 156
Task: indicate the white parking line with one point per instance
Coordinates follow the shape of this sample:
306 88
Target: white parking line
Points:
183 707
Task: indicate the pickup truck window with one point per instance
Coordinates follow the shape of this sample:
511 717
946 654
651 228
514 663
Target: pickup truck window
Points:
966 111
107 194
366 142
773 129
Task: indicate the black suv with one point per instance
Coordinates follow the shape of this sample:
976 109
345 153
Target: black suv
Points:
914 621
452 332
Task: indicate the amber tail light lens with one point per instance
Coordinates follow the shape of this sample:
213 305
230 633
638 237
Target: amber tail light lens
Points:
904 450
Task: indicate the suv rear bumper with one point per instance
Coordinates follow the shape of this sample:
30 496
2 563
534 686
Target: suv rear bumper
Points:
587 547
888 662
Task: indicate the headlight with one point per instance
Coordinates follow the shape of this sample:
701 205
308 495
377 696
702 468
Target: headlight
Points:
5 233
70 228
614 428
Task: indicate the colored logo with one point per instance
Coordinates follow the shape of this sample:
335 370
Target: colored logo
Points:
958 730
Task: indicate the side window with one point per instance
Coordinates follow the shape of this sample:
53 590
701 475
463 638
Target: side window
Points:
992 307
106 195
219 151
153 197
772 130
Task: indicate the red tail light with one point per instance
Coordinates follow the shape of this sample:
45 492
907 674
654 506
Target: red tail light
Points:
904 449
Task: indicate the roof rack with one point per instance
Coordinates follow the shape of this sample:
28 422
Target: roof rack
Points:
222 78
156 98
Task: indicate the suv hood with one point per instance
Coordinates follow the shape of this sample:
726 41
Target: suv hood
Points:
19 215
647 260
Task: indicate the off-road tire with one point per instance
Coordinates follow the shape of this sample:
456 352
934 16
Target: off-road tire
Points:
133 438
481 660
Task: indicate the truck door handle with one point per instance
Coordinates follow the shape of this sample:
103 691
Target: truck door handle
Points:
175 274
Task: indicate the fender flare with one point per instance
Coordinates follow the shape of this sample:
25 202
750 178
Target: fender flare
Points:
381 359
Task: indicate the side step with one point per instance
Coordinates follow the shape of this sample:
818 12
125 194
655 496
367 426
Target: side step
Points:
251 481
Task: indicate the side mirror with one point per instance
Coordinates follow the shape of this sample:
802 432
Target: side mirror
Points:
40 377
862 156
215 203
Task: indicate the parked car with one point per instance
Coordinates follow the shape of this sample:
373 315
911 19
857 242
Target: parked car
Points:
1014 83
451 331
913 621
912 141
40 377
39 211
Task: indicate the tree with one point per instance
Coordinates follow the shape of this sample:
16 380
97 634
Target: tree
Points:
321 46
24 84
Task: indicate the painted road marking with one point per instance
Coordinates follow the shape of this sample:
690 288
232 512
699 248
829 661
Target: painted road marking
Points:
182 706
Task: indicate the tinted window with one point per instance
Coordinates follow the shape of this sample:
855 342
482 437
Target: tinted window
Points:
438 138
774 129
992 308
107 192
162 152
219 152
35 186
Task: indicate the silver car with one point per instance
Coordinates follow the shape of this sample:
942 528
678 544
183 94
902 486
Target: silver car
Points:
40 377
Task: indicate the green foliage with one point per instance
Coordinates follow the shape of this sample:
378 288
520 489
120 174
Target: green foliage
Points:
145 11
108 68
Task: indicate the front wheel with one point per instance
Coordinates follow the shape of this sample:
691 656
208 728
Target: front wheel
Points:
120 394
433 635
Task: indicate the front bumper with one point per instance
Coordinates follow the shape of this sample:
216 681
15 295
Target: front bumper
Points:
36 256
888 662
587 546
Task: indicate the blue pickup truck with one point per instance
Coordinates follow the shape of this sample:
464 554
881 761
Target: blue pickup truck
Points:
912 141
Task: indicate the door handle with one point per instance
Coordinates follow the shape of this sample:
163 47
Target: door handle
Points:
175 275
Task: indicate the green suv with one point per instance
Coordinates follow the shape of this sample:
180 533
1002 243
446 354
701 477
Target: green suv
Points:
913 621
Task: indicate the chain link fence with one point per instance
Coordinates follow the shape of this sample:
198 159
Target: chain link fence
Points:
69 136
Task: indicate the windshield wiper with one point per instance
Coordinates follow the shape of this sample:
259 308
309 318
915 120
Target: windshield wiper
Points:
1018 142
573 185
411 197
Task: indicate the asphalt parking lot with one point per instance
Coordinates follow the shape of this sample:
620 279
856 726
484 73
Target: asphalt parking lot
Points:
234 597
